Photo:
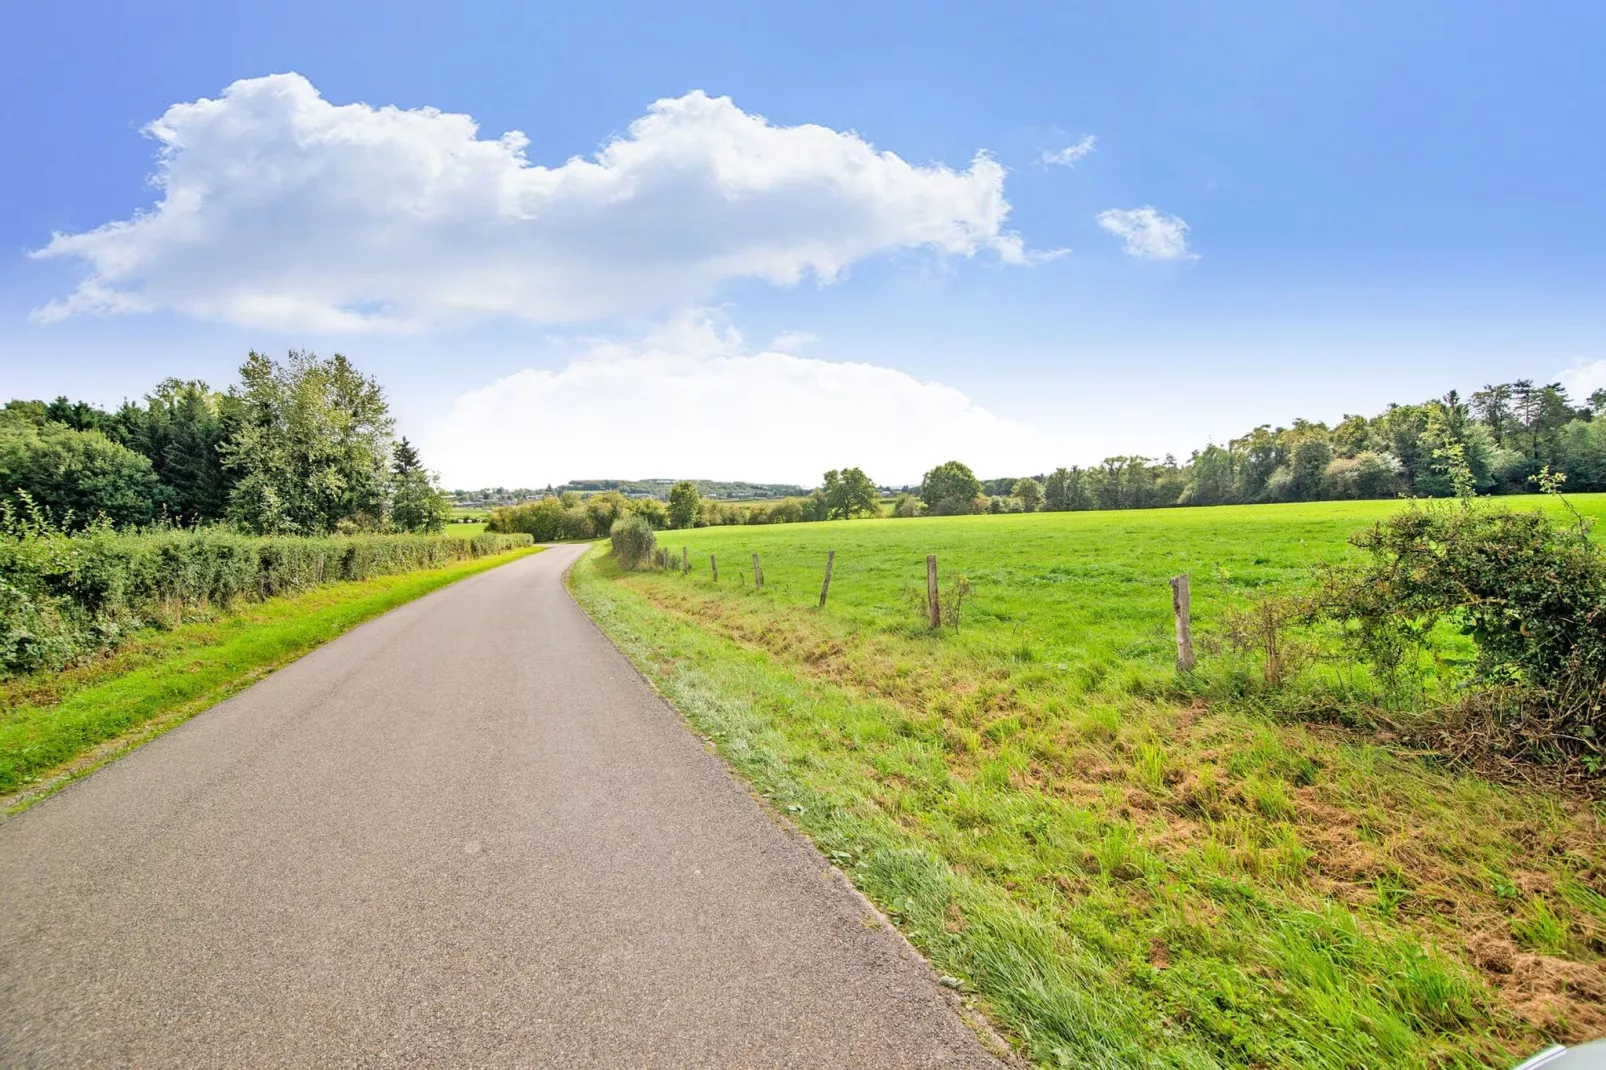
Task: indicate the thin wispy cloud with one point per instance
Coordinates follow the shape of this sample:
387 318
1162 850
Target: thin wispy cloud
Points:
1148 234
1070 155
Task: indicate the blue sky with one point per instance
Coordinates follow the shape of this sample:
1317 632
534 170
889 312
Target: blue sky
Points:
1382 201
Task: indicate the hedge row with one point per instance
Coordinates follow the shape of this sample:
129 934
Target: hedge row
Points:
63 597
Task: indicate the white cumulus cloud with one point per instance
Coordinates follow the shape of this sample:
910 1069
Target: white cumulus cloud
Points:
281 210
1071 154
1583 377
691 401
1147 234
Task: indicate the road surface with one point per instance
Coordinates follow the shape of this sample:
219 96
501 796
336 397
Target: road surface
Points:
464 834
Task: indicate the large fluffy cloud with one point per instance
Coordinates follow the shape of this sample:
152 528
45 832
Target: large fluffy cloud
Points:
281 210
692 401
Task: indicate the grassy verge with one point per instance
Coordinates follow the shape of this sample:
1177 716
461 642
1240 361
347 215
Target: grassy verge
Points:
1118 876
56 727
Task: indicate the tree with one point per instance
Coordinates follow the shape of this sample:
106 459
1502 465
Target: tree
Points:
1123 483
181 429
907 505
850 493
311 449
1493 406
1030 493
1214 478
683 502
1056 497
950 487
417 503
1260 453
1350 436
1307 462
651 510
77 476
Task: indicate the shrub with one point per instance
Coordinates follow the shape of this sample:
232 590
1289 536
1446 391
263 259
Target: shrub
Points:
961 506
907 505
1529 593
653 511
1366 475
75 476
546 520
785 511
633 541
65 596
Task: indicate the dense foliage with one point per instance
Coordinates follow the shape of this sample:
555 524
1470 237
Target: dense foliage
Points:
1531 595
75 474
633 541
849 493
299 447
952 488
64 595
1505 433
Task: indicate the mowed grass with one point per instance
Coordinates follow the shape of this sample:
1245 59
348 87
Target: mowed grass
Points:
54 727
1123 870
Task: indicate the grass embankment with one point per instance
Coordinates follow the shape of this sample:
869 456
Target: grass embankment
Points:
1119 876
55 727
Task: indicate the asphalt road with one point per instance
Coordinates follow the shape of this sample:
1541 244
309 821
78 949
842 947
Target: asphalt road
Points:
464 834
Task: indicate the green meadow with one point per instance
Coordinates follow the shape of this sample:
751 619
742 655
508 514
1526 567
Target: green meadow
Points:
1119 865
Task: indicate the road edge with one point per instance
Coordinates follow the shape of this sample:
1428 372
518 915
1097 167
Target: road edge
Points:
992 1041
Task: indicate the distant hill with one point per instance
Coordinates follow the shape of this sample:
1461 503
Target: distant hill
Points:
724 490
729 490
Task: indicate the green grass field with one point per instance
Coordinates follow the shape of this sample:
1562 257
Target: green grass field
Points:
58 726
1120 870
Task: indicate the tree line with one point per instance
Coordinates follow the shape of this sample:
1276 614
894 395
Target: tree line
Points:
1505 434
305 446
1502 437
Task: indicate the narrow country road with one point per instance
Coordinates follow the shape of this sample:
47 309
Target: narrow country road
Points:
464 834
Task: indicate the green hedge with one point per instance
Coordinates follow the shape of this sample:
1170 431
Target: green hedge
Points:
62 597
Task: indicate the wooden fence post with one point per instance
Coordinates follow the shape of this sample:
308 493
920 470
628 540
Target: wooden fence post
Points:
758 574
933 603
1180 605
830 559
713 567
685 561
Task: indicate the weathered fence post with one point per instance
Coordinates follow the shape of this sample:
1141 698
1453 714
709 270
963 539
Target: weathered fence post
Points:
713 568
933 603
830 559
758 574
685 561
1181 607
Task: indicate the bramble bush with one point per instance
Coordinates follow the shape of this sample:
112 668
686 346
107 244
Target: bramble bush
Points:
633 541
1531 595
63 596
